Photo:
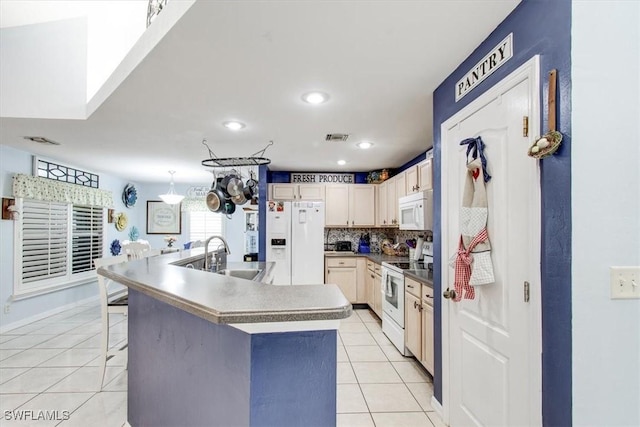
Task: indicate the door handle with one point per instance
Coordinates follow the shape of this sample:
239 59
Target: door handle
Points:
449 294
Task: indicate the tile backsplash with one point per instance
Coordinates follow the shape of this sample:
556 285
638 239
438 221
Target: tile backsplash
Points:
377 235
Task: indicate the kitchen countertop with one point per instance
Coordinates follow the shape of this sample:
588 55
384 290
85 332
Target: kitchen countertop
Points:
422 276
225 299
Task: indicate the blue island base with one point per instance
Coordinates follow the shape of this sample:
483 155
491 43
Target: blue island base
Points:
186 371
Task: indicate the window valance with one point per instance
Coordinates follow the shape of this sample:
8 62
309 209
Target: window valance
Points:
194 204
37 188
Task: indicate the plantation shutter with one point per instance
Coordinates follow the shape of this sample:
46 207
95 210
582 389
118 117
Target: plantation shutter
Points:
204 224
86 237
44 244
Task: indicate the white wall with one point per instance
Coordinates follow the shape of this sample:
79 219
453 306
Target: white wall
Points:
43 70
605 210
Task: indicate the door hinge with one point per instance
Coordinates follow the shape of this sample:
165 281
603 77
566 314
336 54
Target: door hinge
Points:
525 126
526 291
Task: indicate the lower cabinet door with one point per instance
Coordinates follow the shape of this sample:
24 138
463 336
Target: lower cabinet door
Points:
427 337
413 325
377 295
345 278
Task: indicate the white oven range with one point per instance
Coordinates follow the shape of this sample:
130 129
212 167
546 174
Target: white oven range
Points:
393 305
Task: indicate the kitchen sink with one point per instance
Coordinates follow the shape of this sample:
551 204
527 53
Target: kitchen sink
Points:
242 273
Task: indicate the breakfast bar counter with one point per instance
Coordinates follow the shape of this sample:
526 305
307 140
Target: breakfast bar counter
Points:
217 350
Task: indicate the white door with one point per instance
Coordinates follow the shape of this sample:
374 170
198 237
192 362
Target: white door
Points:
491 350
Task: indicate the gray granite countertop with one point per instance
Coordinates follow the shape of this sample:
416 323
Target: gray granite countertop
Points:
224 299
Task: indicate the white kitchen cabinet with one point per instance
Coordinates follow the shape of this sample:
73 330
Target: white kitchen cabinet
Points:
350 205
427 335
401 185
413 324
412 174
369 284
377 290
392 202
382 205
296 192
361 280
343 272
425 175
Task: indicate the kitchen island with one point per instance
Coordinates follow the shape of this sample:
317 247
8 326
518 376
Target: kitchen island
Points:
216 350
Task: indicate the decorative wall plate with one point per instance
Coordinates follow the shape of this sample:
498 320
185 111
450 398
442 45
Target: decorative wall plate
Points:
115 247
121 221
129 195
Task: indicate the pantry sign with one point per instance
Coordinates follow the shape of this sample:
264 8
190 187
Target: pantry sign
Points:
322 178
487 65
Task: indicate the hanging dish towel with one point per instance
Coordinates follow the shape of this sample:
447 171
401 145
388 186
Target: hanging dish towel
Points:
472 262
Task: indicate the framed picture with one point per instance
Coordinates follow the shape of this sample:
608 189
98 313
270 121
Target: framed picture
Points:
163 218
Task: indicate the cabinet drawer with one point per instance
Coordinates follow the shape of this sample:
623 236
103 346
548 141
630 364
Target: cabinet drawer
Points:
427 294
370 265
341 262
413 287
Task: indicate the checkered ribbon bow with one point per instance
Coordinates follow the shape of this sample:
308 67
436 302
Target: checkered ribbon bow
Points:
464 259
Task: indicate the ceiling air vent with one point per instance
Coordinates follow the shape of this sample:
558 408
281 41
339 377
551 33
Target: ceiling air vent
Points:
41 140
336 137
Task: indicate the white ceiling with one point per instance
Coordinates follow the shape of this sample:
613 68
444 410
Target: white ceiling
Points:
380 62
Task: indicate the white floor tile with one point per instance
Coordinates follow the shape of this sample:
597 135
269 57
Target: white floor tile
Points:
31 357
411 372
436 420
389 398
63 341
85 379
35 380
422 393
365 353
353 318
119 359
103 409
375 373
381 339
25 341
342 354
392 353
5 338
373 327
9 402
367 316
26 329
354 420
357 327
119 383
345 374
351 338
61 404
5 354
401 419
8 373
72 357
349 399
56 329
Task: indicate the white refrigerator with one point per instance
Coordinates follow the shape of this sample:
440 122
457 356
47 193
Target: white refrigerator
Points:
295 242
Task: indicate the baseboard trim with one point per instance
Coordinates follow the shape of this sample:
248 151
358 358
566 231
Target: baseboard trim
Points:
19 323
437 407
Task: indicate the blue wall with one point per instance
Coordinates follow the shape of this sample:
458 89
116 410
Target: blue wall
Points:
540 27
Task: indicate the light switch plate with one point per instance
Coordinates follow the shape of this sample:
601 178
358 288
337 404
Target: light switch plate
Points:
625 282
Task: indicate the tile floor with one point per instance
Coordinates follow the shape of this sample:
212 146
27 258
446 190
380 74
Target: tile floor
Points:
52 364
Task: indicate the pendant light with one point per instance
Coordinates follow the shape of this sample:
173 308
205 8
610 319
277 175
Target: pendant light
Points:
171 198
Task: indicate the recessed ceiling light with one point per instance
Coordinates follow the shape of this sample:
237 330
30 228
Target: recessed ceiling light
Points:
233 125
364 145
315 98
342 162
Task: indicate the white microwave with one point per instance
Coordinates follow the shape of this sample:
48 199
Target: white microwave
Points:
415 211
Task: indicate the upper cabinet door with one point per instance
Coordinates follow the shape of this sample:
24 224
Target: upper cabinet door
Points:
412 179
392 202
426 175
401 185
283 191
362 209
382 219
311 191
337 205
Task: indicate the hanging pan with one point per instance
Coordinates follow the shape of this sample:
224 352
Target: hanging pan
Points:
215 197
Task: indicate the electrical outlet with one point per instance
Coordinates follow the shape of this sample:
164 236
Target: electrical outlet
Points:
7 308
625 282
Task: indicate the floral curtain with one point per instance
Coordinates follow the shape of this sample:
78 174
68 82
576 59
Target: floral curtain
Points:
37 188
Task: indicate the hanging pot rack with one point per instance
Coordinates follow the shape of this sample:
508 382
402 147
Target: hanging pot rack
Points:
256 159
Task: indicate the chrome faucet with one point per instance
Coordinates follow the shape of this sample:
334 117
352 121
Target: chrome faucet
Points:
206 249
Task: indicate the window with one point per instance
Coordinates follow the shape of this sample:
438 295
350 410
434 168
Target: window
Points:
56 244
204 224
